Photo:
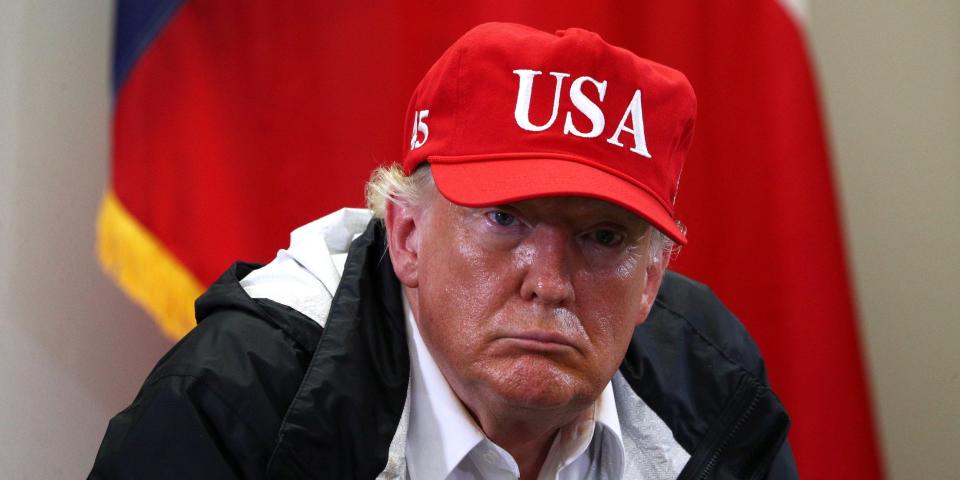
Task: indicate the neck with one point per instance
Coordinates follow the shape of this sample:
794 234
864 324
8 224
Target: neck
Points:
527 437
528 448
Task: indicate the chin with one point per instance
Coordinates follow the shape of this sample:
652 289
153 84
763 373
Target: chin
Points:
539 383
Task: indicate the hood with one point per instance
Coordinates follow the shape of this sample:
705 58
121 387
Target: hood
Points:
305 276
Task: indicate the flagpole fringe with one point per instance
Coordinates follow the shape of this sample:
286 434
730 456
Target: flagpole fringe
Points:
145 270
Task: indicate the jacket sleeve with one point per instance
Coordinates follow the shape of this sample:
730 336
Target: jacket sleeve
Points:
178 428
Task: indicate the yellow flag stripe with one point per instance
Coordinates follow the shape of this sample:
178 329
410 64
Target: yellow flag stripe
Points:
145 270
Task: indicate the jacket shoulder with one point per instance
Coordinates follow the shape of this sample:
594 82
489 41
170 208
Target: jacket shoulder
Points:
696 366
253 364
212 406
709 318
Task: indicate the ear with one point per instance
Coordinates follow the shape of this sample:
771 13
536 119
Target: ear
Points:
651 286
403 239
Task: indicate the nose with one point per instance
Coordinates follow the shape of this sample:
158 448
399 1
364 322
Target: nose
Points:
547 256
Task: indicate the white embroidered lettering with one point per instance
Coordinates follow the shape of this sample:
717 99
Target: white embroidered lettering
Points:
419 126
635 113
522 111
587 107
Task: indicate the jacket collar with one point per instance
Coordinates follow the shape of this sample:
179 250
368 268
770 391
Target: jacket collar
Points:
342 419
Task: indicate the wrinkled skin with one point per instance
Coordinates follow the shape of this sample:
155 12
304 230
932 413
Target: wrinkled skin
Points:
527 308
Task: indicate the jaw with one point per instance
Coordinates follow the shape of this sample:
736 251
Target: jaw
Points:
528 388
523 404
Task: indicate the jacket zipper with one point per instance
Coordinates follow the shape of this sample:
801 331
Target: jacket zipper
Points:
736 427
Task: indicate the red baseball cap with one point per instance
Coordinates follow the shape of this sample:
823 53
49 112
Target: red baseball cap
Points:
511 113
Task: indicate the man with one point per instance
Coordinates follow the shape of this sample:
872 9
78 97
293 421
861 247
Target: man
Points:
505 313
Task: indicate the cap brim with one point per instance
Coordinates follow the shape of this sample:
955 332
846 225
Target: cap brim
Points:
498 181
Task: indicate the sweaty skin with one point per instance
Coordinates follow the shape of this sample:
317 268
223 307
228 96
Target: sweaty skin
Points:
527 308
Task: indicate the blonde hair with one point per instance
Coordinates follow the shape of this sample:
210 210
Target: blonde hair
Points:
388 183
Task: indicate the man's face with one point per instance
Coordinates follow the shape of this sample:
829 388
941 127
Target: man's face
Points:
529 305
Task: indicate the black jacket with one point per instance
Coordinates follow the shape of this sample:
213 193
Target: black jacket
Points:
258 390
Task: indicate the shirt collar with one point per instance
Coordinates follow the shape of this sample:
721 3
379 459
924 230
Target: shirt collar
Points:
608 417
441 431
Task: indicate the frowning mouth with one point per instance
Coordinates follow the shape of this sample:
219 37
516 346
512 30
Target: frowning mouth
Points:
538 341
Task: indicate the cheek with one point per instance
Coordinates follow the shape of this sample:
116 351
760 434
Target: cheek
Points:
613 301
462 286
475 277
630 269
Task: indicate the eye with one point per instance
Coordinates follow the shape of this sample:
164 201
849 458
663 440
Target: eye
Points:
607 237
502 218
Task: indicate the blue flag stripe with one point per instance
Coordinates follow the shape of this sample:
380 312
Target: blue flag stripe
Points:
137 23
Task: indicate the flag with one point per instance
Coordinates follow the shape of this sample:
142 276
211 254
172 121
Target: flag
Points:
235 122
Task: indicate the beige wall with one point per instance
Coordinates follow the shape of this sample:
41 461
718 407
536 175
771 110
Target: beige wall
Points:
890 78
73 351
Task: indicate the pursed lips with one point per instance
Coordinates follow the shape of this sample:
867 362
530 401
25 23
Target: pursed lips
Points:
539 340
